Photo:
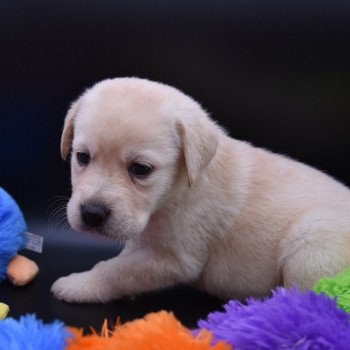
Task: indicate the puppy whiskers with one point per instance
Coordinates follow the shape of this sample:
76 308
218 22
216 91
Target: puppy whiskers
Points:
57 220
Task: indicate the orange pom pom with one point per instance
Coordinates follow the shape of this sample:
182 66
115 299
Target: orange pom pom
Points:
21 270
156 331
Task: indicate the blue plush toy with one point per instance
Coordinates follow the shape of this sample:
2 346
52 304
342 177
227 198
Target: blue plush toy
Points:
12 231
17 268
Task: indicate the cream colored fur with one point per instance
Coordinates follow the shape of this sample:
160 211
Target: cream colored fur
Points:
216 213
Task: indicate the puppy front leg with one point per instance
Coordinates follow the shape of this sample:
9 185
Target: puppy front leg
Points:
140 271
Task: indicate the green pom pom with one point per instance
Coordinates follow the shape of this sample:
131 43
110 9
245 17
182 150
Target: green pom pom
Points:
337 287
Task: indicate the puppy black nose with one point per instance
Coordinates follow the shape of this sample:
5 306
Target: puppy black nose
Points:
93 215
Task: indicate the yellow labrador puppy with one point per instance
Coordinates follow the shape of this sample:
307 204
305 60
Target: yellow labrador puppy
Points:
193 205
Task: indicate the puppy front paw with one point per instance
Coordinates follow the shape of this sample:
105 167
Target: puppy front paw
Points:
84 287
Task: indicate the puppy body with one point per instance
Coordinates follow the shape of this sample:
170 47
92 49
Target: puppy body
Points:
218 213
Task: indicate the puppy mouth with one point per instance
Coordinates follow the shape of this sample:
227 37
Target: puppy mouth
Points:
109 231
99 221
94 231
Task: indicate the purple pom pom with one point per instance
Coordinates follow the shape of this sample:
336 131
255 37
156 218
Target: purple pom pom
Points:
291 319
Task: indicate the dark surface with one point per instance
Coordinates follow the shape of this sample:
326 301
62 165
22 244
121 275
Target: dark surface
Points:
275 73
77 253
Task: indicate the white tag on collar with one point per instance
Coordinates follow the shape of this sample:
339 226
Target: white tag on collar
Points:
34 242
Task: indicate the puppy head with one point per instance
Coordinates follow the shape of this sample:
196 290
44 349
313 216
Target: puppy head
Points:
134 144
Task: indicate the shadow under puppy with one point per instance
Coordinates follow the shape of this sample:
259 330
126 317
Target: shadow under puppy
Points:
193 205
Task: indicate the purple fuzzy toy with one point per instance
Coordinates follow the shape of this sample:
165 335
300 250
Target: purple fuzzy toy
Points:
290 319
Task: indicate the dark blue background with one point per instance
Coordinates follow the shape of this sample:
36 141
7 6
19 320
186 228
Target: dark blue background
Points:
275 73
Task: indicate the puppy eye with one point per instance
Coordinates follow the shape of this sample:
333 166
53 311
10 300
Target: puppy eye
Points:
140 170
83 158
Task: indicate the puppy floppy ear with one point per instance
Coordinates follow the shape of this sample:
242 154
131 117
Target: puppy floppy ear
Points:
68 129
199 138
